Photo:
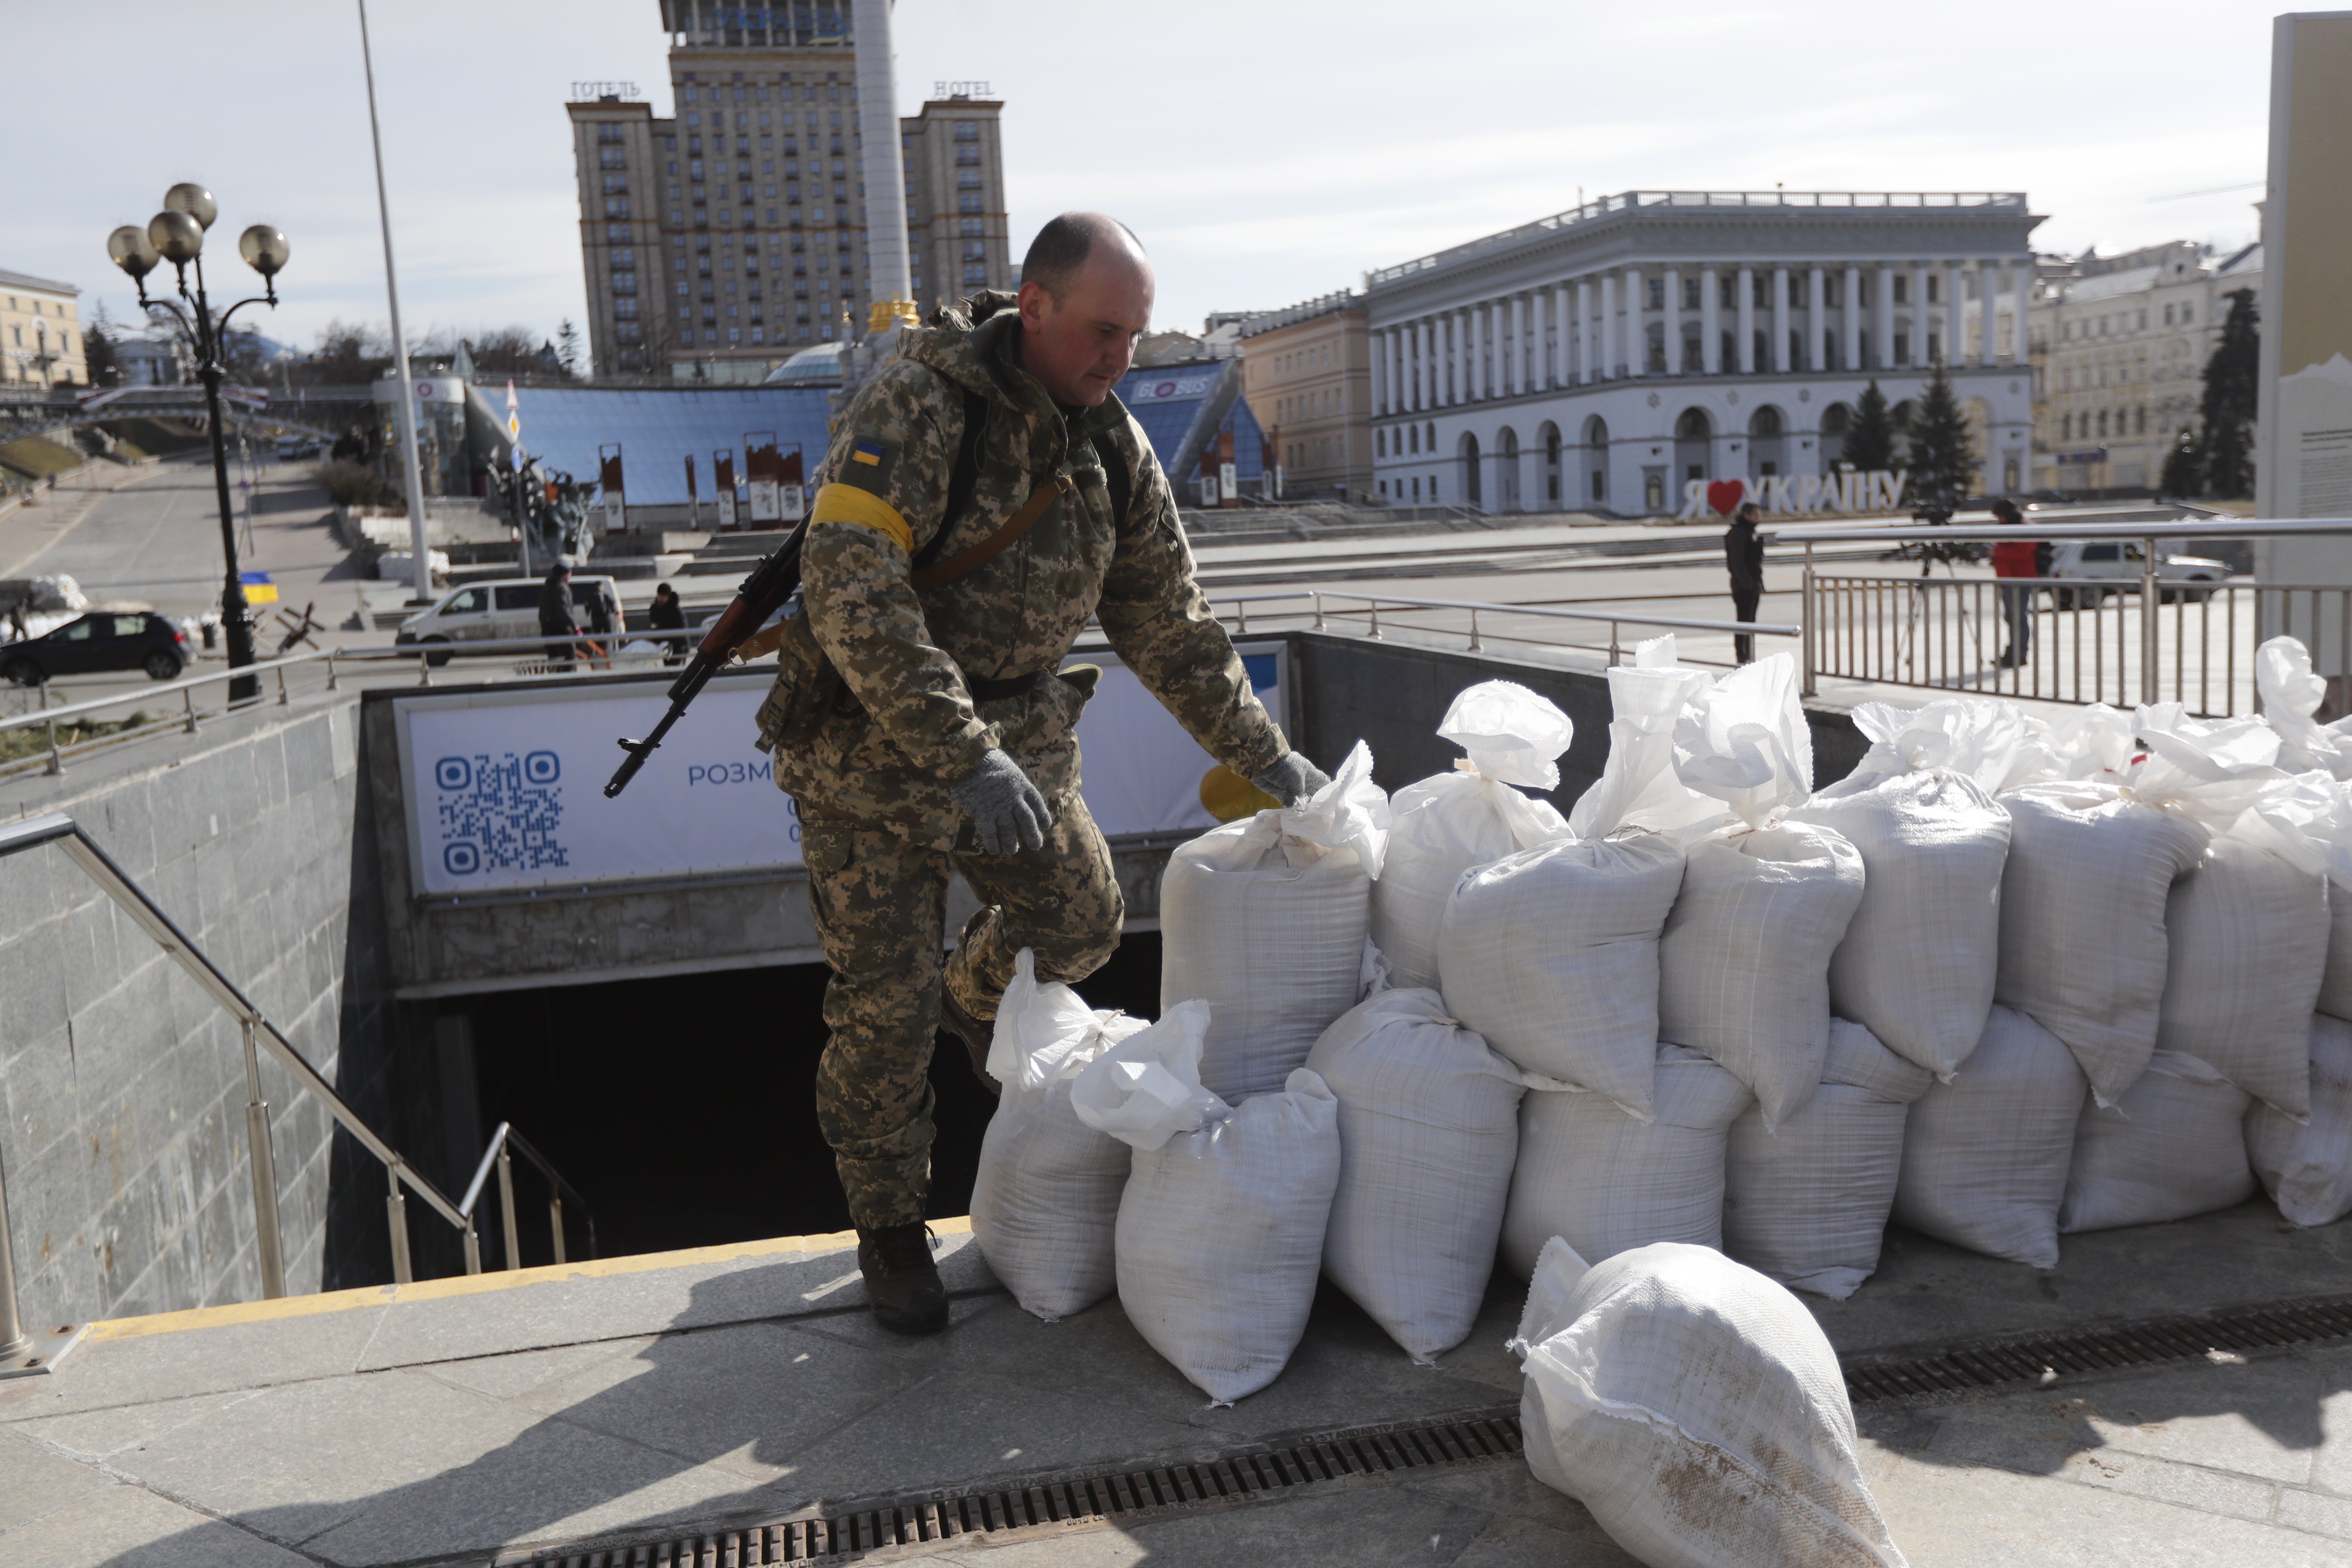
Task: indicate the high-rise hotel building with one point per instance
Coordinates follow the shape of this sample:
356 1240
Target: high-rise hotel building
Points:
719 241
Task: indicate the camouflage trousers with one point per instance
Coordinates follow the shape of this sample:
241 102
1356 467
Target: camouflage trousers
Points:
881 914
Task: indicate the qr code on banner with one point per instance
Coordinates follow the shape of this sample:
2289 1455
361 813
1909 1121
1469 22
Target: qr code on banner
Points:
501 813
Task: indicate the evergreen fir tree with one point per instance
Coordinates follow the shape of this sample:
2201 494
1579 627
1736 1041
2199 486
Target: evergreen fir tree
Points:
567 338
2184 467
1870 439
2231 378
1941 463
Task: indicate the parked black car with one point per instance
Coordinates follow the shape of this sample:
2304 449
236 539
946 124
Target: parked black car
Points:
103 639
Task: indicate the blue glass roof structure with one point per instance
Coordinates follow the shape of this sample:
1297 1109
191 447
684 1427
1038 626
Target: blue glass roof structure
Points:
1169 401
659 427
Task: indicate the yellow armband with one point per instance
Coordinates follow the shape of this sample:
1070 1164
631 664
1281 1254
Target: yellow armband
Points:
838 502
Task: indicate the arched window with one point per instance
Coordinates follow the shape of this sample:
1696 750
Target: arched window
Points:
1380 442
1694 433
1551 461
1471 491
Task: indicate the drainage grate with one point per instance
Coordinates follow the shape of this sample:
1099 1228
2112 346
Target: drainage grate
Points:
2044 1358
1239 1475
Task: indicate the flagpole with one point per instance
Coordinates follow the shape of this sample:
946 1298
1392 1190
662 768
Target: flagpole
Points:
410 471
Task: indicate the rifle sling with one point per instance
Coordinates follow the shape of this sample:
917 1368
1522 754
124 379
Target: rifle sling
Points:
968 561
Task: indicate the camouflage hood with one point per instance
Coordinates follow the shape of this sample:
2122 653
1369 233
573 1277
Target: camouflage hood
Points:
971 343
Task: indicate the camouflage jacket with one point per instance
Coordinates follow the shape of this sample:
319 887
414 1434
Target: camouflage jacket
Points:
903 725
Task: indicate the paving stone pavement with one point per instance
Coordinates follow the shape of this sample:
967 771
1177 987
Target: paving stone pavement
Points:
453 1419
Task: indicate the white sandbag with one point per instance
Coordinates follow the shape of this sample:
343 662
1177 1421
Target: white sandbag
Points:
1221 1237
2335 981
1446 824
1808 1206
1046 1196
1920 957
2247 938
2307 1167
1607 1181
1743 962
1985 1155
1638 787
1145 1088
1429 1130
2175 1146
2082 902
1265 919
1552 955
2292 692
1697 1410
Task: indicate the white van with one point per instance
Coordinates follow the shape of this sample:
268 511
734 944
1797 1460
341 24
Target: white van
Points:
507 608
2109 559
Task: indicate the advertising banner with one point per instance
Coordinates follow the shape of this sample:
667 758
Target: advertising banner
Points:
504 787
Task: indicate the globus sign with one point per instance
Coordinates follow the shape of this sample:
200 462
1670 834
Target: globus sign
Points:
1796 495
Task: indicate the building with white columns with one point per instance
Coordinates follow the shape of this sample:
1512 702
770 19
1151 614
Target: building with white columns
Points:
1602 358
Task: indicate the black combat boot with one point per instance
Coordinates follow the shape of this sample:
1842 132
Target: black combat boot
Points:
902 1283
975 1035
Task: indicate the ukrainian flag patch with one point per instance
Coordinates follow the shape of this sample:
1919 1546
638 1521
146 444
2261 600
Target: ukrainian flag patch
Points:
866 452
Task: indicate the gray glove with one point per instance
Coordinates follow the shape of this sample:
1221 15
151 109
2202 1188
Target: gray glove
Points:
1007 813
1290 778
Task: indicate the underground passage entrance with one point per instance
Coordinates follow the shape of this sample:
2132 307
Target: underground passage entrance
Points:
683 1108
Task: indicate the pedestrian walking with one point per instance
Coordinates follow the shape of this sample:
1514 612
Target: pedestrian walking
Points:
667 616
556 616
2016 558
1743 553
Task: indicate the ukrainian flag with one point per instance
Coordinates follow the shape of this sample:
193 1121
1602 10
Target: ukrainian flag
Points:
258 588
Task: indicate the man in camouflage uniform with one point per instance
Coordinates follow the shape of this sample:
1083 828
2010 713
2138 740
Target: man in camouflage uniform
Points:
925 728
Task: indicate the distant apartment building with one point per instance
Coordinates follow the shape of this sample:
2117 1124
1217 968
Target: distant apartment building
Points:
1610 356
40 332
719 241
1307 373
2122 342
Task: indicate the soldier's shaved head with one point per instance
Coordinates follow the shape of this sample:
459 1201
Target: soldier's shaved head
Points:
1086 297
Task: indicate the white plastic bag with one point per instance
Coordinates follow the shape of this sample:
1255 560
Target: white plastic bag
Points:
1985 1155
1606 1181
2291 693
1808 1206
1046 1196
1145 1088
1922 953
1265 919
1446 824
2307 1167
2174 1147
1552 953
1697 1410
1221 1237
1429 1130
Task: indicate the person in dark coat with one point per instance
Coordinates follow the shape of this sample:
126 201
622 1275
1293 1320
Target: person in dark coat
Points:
1743 552
556 616
668 615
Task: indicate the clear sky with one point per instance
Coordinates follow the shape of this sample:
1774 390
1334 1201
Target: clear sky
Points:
1267 152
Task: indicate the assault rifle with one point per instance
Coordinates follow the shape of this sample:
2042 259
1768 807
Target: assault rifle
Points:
763 592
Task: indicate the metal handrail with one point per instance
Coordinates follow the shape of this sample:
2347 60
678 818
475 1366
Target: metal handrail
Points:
496 1155
56 828
2037 529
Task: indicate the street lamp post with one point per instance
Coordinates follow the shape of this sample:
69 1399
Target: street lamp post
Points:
177 235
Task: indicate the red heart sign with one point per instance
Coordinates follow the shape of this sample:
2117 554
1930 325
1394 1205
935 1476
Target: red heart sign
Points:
1724 495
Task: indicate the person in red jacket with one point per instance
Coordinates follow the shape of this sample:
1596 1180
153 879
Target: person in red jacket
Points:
2016 558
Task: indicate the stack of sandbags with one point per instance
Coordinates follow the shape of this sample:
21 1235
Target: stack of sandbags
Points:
1607 1180
2307 1167
1429 1130
1921 955
1744 961
1047 1197
1985 1155
1444 824
2172 1147
1265 920
1551 954
1697 1409
2092 860
1808 1205
1220 1230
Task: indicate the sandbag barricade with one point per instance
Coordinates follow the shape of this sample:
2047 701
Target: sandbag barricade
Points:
1265 920
2175 1146
1697 1409
1444 824
1429 1131
1985 1155
1922 953
1608 1181
1807 1205
2307 1167
1045 1199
